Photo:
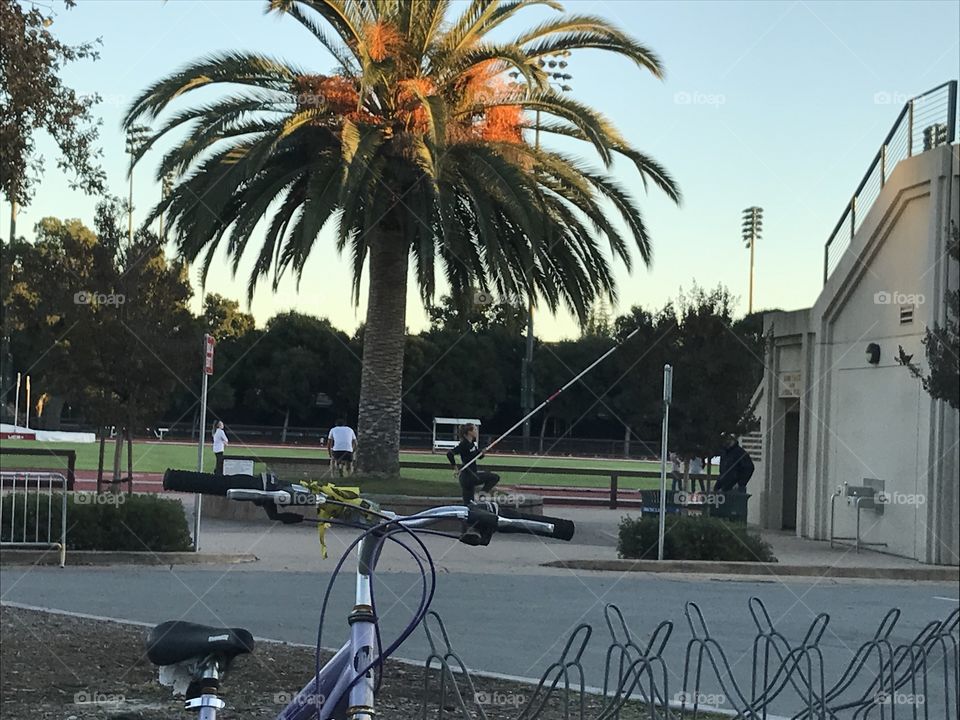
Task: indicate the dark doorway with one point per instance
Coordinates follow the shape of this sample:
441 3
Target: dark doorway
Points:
791 466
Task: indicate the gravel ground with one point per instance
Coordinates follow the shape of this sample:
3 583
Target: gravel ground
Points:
55 666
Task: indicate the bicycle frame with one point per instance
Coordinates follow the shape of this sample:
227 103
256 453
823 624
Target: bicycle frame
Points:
343 670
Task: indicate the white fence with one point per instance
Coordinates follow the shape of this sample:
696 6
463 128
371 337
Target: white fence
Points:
27 508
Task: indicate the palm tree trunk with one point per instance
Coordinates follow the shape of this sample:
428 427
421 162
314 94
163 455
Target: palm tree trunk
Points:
381 380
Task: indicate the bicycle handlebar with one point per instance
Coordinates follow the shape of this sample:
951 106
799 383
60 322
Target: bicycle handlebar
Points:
266 490
210 484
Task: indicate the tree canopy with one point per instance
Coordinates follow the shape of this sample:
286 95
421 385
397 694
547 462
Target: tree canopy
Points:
33 98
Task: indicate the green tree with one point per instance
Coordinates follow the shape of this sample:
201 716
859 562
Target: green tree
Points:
716 371
100 321
418 146
299 363
638 396
599 323
223 318
465 314
585 401
942 345
34 98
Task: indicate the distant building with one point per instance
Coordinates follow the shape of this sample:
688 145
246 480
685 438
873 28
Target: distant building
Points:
836 408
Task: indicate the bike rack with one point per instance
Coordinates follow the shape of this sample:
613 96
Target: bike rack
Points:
633 664
444 657
877 683
570 660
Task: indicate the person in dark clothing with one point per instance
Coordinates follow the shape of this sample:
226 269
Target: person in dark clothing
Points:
736 467
469 478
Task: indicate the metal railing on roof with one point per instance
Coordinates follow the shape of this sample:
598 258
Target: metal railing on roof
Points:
925 122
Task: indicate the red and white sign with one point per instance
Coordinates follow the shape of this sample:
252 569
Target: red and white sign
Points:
209 342
17 436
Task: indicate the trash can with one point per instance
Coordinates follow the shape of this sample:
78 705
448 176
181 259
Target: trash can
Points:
733 507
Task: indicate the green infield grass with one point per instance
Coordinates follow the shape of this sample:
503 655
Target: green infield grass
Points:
157 456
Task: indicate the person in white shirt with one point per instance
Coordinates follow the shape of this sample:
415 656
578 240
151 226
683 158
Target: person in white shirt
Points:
220 443
676 473
341 445
696 468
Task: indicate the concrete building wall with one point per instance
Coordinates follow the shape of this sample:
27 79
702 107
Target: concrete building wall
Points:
856 420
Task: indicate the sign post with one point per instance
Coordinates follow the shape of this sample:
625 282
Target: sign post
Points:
667 396
26 410
208 345
16 405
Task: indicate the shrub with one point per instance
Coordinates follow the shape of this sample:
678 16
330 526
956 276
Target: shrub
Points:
691 538
106 522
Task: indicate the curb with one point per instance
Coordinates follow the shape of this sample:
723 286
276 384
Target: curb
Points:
121 557
932 573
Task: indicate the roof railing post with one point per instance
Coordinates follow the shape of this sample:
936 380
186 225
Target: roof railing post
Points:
883 165
853 217
910 131
952 112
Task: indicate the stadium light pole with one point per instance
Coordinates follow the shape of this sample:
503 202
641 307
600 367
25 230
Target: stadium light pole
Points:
554 65
752 227
136 137
166 189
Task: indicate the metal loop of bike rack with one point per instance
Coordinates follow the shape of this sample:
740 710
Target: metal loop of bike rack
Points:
914 680
444 656
28 500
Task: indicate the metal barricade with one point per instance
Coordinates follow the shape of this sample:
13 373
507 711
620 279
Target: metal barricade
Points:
27 509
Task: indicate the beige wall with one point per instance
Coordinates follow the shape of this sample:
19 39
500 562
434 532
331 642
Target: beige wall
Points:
872 421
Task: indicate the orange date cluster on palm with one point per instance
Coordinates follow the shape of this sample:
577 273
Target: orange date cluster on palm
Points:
478 102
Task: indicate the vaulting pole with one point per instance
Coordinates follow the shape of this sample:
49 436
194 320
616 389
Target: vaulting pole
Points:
555 395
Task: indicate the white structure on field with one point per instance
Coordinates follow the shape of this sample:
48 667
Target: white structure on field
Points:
836 408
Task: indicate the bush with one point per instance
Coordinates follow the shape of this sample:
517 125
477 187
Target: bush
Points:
691 538
106 522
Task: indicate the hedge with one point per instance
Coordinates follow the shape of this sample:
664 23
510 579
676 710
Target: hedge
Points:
691 538
106 522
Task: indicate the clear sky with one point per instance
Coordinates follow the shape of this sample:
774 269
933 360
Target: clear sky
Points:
776 104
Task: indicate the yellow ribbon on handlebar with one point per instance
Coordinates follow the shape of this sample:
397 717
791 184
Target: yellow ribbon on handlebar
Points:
349 496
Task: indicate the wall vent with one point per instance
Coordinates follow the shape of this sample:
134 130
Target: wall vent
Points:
906 314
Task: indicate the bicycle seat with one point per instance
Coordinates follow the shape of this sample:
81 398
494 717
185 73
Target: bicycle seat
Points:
174 641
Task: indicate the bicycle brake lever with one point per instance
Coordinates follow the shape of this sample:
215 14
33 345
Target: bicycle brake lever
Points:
287 518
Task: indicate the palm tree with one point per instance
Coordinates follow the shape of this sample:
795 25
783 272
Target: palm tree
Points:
416 147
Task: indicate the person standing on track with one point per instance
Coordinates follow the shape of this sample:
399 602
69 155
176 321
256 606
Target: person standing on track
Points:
341 445
472 476
220 443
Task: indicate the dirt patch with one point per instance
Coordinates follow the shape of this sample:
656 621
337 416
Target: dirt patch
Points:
67 668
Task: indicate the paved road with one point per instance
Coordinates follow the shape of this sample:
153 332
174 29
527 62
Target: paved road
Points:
507 623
